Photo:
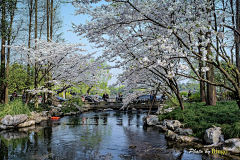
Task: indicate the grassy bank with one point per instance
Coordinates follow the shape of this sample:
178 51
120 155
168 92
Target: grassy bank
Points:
200 117
14 108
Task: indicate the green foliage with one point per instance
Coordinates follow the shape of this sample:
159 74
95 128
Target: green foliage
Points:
68 109
200 117
41 107
18 78
69 105
185 94
14 108
71 101
189 86
195 97
173 101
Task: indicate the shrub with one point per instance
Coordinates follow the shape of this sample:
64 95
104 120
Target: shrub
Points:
195 97
185 94
173 101
200 117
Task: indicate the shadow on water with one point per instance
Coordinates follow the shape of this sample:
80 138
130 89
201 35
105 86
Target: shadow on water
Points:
94 135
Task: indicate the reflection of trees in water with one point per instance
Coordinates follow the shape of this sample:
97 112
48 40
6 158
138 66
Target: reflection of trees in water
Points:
81 137
146 142
25 140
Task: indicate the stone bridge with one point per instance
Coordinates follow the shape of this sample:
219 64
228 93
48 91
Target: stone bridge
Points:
117 105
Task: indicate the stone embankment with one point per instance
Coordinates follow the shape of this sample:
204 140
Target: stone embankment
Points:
22 120
174 130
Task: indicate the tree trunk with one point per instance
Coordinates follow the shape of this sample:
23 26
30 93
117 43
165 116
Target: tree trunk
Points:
211 90
36 64
3 34
12 11
237 36
29 45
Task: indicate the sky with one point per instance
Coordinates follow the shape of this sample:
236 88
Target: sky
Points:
68 17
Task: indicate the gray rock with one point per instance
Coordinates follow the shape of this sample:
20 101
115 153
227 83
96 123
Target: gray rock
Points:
73 113
232 145
184 131
134 109
152 120
7 120
59 105
212 135
3 127
173 125
171 135
19 119
161 128
26 124
186 139
61 114
159 111
67 114
44 113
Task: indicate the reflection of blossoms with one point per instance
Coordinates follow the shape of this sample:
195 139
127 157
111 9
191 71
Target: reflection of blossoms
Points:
205 69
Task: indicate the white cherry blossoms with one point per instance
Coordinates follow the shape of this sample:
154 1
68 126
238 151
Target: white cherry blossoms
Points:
183 67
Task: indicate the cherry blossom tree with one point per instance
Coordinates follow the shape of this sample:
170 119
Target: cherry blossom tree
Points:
63 62
168 33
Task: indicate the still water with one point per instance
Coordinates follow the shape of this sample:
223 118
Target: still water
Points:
94 136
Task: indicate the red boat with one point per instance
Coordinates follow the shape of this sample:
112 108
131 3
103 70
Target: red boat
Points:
55 117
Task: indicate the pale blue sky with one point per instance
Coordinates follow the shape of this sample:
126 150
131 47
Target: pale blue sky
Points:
67 12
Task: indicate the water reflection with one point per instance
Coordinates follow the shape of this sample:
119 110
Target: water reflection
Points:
94 135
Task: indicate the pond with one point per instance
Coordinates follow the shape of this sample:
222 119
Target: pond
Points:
94 135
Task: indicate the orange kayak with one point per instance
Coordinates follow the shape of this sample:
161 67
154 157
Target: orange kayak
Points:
55 117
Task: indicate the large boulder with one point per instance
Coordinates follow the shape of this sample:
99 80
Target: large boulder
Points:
184 131
9 120
173 125
151 120
26 124
212 135
37 117
232 145
19 119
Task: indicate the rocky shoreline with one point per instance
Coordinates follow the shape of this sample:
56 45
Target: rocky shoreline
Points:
23 120
175 131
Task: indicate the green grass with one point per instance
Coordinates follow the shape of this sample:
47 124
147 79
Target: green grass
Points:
200 117
14 108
